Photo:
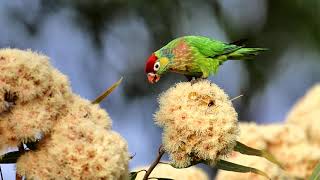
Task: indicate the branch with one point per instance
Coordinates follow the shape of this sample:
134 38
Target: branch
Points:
155 163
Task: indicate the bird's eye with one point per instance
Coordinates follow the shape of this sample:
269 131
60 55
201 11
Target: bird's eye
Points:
156 66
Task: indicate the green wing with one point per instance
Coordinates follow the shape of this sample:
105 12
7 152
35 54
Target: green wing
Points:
210 48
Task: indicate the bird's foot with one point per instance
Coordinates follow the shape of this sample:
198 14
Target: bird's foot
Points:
195 80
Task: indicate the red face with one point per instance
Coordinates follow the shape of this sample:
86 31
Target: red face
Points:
152 66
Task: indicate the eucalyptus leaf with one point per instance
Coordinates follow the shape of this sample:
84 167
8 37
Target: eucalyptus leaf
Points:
107 92
10 157
244 149
133 175
229 166
316 173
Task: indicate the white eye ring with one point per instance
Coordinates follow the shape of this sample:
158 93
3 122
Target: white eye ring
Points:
156 66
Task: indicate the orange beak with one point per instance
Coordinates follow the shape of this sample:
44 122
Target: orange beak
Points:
153 78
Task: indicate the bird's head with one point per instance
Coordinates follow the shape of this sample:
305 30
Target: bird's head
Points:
155 67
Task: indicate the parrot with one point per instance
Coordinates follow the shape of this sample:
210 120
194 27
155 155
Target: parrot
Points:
195 57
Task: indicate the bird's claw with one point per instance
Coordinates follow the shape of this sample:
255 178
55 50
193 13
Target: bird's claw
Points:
195 80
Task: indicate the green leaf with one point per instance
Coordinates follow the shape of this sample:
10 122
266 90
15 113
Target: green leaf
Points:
244 149
316 173
10 157
107 92
229 166
133 175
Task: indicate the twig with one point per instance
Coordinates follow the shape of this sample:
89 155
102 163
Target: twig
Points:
21 150
1 173
236 97
132 156
164 163
155 163
142 170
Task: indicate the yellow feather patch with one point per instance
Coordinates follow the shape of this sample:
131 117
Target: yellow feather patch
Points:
164 61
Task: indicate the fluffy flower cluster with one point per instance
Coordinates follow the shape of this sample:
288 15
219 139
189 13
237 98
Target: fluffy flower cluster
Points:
32 96
287 142
199 123
78 145
306 114
271 136
167 171
77 141
295 144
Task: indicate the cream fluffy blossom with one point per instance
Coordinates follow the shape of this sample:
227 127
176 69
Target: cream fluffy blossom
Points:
24 72
288 143
199 123
32 96
306 114
76 137
80 146
298 161
167 171
84 108
98 154
270 136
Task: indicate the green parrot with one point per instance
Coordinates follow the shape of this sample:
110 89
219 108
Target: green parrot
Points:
194 56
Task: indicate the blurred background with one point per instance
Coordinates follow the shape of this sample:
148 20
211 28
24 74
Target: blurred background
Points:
96 42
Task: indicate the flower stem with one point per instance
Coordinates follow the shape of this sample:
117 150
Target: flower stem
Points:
155 163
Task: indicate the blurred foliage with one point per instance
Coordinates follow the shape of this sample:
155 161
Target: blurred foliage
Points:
32 25
94 15
285 19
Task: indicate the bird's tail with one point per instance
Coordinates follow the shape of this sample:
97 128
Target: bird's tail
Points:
245 53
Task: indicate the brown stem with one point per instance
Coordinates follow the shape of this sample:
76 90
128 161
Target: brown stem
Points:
155 163
21 150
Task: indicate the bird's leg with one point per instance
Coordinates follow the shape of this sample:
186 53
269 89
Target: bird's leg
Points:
191 79
195 80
